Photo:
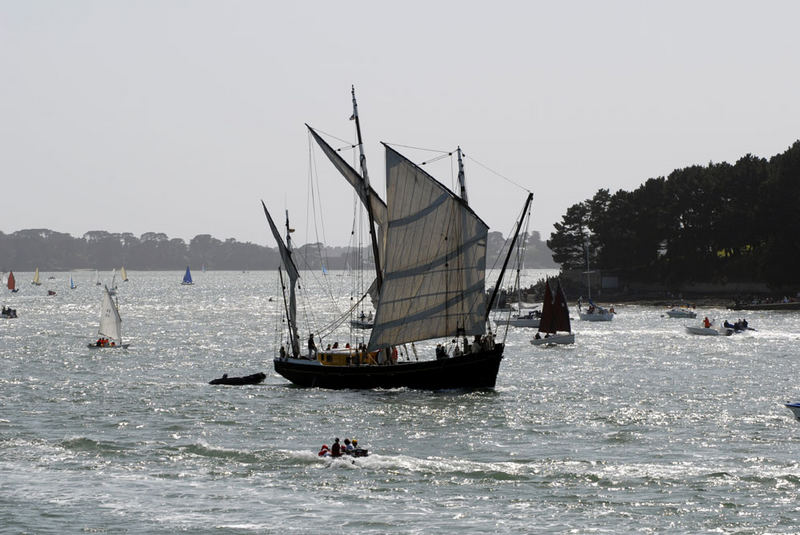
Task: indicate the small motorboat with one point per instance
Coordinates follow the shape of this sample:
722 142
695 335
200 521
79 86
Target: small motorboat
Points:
681 312
253 379
795 408
9 313
709 331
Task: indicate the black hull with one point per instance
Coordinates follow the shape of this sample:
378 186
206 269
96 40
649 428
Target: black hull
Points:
474 370
254 379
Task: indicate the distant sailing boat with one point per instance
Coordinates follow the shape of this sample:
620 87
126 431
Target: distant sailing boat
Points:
554 323
12 282
113 289
187 277
35 280
110 331
123 274
97 278
593 312
72 284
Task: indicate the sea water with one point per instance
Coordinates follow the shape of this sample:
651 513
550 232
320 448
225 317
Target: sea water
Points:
637 428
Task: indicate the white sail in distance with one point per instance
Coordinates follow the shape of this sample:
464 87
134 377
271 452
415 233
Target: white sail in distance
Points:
435 260
110 321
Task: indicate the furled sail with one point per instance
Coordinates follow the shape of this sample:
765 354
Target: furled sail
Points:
110 322
435 260
291 271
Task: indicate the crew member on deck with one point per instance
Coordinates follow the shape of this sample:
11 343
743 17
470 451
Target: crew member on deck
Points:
312 347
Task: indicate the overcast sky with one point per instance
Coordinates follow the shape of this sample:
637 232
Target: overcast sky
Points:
179 116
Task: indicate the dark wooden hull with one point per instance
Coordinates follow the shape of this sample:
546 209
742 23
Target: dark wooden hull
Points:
474 370
254 379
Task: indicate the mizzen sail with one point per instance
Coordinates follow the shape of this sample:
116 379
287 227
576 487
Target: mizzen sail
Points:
291 271
435 260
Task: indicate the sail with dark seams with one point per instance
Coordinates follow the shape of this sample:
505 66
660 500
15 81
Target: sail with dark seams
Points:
430 264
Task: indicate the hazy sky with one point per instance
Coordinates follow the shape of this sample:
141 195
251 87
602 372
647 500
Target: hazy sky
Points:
178 116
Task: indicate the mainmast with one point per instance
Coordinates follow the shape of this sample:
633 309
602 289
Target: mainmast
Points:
461 179
365 176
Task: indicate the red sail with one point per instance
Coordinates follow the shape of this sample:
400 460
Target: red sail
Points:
561 310
547 322
11 283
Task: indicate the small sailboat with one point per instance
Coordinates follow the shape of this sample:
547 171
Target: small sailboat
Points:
123 274
187 277
97 278
554 324
72 284
593 312
12 282
363 321
113 289
110 331
35 280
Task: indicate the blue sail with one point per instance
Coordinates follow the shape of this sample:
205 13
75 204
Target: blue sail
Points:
187 277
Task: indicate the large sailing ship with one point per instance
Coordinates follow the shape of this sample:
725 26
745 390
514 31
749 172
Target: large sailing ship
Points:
430 263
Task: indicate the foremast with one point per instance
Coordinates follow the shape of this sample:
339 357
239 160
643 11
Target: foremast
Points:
292 273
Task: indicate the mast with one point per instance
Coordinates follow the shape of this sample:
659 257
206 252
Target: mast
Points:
588 273
291 271
461 179
508 256
365 176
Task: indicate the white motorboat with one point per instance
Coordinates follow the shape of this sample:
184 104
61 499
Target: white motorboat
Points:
711 330
681 312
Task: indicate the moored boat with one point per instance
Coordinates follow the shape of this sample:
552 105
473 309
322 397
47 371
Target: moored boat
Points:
681 312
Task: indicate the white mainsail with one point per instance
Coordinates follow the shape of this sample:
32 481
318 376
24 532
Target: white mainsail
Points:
435 261
110 321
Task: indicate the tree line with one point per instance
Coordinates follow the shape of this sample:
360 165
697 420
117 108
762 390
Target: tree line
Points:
49 250
716 223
